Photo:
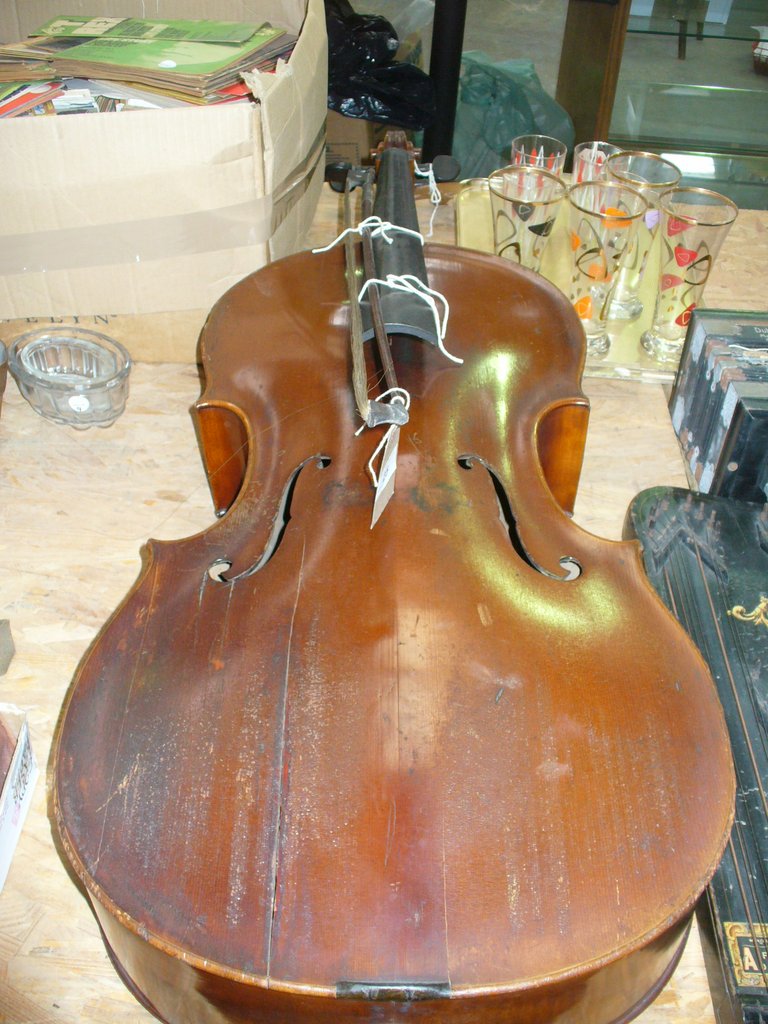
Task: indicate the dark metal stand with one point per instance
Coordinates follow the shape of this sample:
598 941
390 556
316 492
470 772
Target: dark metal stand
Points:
444 70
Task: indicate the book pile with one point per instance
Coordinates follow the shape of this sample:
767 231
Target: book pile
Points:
719 403
181 61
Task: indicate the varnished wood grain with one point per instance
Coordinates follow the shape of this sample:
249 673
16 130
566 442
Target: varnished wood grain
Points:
77 508
593 43
399 756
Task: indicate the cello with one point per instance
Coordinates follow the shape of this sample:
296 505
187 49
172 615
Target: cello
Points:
455 765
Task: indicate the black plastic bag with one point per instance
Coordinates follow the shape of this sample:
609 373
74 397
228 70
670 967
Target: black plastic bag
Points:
364 80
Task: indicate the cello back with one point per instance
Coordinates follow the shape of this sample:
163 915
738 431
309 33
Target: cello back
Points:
425 771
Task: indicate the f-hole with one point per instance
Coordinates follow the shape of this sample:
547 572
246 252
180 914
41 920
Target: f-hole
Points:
572 568
219 570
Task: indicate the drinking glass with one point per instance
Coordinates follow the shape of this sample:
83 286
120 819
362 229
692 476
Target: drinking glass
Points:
694 224
603 218
650 174
524 203
539 151
589 160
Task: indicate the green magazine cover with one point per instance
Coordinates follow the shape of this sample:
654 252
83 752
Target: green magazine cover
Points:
98 27
180 56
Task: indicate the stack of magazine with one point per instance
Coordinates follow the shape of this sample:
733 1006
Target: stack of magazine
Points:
186 61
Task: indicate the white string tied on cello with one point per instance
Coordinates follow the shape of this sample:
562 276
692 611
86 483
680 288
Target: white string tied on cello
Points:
435 196
376 227
401 396
434 192
414 286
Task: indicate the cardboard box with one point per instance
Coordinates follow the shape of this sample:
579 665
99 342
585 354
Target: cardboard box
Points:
352 139
355 140
138 222
18 774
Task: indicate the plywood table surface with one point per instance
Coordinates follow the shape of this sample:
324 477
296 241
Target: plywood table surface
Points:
77 507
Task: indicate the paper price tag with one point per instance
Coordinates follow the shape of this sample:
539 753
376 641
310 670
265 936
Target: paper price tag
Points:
385 484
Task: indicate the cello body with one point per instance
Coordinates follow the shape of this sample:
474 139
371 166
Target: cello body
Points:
418 772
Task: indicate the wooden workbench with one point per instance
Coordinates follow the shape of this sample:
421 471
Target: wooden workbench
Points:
77 506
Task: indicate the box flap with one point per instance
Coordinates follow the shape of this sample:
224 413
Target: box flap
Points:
293 107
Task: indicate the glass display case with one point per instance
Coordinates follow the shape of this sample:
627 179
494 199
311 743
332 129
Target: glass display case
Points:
693 82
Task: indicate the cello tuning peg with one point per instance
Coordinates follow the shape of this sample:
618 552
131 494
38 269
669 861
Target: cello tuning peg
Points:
446 168
336 174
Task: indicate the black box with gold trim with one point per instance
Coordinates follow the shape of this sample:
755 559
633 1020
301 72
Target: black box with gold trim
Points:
707 556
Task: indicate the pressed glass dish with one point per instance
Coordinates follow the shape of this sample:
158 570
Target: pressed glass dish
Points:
71 375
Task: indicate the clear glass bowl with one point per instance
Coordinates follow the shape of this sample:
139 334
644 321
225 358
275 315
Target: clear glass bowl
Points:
71 375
